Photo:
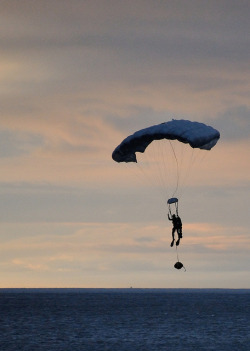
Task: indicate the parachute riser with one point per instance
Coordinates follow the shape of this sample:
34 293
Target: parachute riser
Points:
173 201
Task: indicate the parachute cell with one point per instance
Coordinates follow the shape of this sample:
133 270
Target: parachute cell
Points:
197 135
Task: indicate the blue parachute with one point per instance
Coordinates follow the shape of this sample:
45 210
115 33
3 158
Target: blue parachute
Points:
197 135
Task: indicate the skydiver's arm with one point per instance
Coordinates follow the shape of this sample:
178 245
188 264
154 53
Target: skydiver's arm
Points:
169 217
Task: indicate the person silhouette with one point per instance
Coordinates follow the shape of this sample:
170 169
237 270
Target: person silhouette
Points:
177 227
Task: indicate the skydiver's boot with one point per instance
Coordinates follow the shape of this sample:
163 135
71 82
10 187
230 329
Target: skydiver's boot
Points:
178 242
172 243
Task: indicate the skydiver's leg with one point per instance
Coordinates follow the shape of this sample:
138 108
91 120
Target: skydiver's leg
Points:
173 231
179 232
172 243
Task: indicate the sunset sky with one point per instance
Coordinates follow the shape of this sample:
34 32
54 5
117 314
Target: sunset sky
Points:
79 76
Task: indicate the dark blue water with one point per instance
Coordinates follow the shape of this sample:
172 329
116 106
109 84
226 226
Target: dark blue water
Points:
124 320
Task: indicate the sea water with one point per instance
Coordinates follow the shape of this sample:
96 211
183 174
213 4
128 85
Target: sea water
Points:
124 320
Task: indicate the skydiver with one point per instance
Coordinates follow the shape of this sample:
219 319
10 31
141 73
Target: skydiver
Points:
177 226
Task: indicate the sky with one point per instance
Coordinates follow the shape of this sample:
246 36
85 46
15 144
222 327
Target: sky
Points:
79 76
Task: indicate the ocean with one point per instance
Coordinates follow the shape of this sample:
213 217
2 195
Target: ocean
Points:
124 320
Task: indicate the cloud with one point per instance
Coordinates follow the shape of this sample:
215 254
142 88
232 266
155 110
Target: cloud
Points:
62 251
234 124
67 149
210 236
15 144
123 56
29 266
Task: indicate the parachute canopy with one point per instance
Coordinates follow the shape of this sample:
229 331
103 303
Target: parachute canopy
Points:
197 135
